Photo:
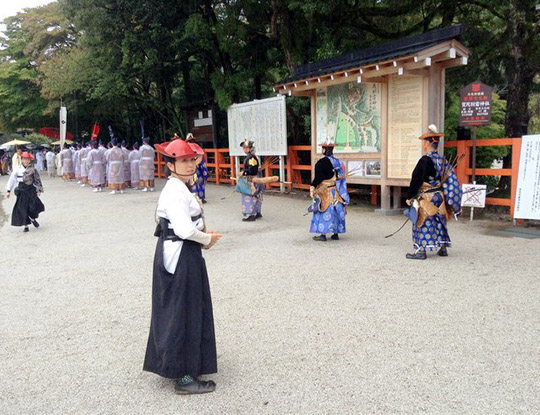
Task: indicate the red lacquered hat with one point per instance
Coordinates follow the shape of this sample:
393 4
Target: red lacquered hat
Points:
176 149
26 155
197 149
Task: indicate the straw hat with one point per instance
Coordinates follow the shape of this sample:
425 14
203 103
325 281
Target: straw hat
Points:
432 133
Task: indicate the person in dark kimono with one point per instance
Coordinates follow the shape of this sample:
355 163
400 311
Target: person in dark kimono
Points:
201 175
329 191
435 193
251 205
182 343
27 184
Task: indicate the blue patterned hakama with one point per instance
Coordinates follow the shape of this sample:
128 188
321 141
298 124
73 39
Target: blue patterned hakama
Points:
433 233
251 205
332 220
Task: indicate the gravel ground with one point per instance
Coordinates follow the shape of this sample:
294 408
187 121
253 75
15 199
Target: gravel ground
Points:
303 327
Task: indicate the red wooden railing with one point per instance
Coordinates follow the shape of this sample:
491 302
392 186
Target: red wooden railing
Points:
464 170
221 167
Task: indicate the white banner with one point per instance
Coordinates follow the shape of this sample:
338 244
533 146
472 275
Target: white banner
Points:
262 121
528 185
63 125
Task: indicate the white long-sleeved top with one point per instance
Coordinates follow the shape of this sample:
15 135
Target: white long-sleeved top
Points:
15 178
178 205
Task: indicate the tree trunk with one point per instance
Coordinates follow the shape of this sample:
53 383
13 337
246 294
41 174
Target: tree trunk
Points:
258 86
520 75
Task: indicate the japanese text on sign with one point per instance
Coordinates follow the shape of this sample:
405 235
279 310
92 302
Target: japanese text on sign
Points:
475 104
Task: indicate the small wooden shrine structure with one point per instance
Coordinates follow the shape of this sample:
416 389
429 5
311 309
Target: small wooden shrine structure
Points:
374 104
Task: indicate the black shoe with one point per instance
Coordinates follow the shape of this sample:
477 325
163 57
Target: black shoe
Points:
204 201
258 216
335 237
442 251
26 229
35 223
320 238
418 255
195 387
249 219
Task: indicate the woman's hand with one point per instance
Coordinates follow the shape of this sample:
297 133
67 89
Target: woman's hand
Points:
7 195
214 237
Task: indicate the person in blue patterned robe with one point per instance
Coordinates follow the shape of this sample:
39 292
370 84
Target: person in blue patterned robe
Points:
331 186
199 187
436 192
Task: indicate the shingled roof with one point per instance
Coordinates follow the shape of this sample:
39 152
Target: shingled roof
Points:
387 51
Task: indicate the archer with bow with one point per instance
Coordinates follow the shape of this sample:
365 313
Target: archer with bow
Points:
434 196
330 196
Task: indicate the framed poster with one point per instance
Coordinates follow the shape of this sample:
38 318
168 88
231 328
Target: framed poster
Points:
350 116
262 121
373 168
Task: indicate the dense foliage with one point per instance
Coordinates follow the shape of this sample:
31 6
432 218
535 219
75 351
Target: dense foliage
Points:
119 62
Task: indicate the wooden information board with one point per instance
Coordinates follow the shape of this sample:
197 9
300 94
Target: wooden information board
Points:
405 110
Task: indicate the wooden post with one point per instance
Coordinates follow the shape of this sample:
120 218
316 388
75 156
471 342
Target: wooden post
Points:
233 169
288 166
463 164
473 162
385 198
516 152
474 154
374 195
218 162
396 194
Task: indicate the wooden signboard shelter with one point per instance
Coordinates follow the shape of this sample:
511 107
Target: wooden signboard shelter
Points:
201 122
374 104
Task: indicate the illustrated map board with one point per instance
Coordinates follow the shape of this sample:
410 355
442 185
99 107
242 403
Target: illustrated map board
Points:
349 115
405 110
262 121
528 185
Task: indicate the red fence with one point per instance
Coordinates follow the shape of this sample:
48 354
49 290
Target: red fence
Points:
221 166
464 170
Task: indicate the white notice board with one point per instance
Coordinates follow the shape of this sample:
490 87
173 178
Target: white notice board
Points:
262 121
528 186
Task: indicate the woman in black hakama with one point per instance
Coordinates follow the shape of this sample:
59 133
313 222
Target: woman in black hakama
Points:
181 344
27 184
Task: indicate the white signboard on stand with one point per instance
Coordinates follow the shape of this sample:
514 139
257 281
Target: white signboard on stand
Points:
528 185
262 121
474 195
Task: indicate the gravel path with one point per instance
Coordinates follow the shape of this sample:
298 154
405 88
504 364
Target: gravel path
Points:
303 327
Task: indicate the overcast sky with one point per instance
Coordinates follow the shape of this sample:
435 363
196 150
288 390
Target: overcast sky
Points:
12 7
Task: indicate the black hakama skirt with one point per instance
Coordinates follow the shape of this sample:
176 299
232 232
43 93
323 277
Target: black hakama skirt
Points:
182 340
28 205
